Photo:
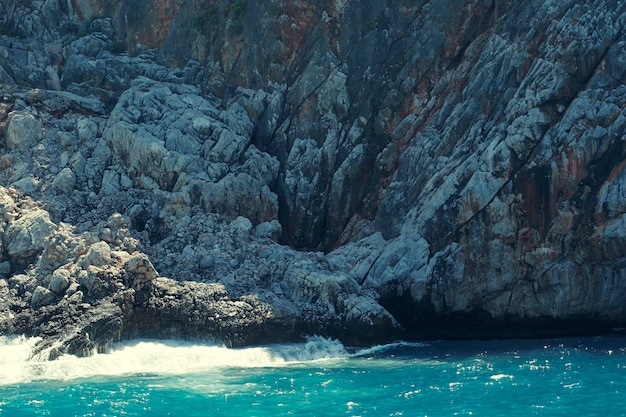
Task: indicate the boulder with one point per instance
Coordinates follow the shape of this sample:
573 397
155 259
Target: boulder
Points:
22 130
139 272
27 236
269 230
65 181
60 281
98 255
42 297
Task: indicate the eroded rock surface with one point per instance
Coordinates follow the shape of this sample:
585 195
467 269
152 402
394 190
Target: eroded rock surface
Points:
250 172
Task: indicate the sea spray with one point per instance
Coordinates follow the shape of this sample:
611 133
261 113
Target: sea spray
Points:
155 356
15 358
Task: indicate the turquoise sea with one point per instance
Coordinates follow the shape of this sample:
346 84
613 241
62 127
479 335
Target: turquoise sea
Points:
558 377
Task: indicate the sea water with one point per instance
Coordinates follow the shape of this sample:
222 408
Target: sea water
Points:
559 377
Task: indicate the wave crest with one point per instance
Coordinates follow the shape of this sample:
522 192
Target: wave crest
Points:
155 356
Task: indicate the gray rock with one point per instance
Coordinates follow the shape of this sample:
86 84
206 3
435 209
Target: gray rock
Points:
60 281
42 297
444 163
27 235
269 230
22 130
64 101
179 130
229 147
357 258
98 255
110 183
87 129
242 226
27 185
402 263
65 181
140 272
8 207
5 269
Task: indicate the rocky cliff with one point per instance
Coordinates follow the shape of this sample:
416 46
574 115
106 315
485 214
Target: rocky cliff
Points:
257 171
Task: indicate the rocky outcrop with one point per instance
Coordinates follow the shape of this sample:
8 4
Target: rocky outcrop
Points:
87 289
202 157
255 172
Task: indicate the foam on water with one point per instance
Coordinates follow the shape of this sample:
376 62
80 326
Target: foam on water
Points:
157 357
378 350
15 352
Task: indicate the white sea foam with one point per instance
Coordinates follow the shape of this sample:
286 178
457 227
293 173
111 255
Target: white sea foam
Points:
381 349
500 377
15 352
158 357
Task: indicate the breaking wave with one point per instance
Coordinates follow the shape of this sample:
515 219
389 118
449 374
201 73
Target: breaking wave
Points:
160 357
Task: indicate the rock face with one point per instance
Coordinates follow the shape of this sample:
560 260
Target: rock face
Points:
251 172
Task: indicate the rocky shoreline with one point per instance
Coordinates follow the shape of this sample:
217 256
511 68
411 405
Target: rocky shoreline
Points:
339 169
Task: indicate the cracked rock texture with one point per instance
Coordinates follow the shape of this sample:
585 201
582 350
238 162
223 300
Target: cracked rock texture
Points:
250 172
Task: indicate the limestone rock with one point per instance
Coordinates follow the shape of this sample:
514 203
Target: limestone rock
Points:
64 181
63 101
358 171
8 207
41 297
402 264
98 255
178 142
27 235
27 185
270 230
140 272
60 281
22 130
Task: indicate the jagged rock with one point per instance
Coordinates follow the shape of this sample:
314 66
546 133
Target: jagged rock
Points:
461 164
357 258
366 317
87 129
242 226
402 264
110 183
98 283
140 272
183 146
26 236
27 185
60 102
193 308
41 297
228 147
6 315
8 207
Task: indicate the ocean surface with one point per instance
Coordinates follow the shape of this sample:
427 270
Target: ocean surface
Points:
558 377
